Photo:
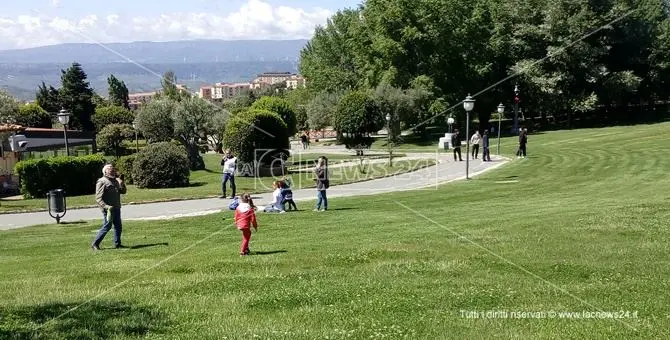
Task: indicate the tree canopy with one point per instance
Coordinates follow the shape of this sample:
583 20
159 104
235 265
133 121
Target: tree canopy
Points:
570 58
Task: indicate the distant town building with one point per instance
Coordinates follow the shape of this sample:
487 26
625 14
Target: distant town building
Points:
272 78
223 91
295 82
135 100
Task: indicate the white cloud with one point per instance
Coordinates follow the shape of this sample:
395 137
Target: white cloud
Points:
55 3
255 19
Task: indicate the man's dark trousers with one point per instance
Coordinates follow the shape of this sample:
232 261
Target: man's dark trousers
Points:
228 177
457 150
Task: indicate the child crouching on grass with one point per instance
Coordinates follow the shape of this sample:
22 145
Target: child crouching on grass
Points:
287 193
245 218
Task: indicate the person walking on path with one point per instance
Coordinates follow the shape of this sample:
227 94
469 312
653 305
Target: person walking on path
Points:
303 140
475 141
108 191
486 153
322 183
456 144
229 164
245 219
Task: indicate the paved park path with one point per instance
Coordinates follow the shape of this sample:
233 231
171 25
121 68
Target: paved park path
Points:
427 178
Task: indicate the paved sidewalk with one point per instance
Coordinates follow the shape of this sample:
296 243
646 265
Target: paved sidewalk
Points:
428 178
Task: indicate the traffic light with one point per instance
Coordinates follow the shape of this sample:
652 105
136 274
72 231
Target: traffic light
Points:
18 143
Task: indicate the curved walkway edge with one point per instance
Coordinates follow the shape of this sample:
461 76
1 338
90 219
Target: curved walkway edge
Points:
424 179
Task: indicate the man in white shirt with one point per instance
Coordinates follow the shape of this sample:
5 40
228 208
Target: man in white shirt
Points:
229 164
475 141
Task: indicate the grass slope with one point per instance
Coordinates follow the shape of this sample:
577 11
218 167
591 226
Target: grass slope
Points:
584 228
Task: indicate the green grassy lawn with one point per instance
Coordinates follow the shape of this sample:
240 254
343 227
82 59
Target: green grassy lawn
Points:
583 224
207 183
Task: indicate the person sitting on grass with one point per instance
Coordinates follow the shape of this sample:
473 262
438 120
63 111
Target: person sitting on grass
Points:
245 218
287 194
276 205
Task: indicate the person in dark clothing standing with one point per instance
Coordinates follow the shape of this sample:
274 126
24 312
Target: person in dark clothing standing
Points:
456 144
523 141
486 154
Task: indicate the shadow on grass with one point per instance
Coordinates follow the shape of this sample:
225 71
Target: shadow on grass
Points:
74 222
268 252
197 184
142 246
341 209
94 320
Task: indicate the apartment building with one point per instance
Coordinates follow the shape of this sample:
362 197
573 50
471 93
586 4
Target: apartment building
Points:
223 91
135 100
272 78
295 82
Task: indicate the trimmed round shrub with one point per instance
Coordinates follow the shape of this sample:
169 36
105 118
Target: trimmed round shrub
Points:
110 139
107 115
124 166
280 107
161 165
255 135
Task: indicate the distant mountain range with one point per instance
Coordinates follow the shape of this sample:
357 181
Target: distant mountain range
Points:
140 64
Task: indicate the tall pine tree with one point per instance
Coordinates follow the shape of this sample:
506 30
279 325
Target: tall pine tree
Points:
77 96
48 98
118 92
169 84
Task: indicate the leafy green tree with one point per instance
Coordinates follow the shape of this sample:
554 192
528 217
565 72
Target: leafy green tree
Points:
154 120
32 115
280 107
331 60
395 102
195 120
99 101
107 115
76 96
321 110
9 108
48 98
256 135
356 118
110 139
118 92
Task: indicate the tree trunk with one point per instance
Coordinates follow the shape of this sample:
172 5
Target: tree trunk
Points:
195 159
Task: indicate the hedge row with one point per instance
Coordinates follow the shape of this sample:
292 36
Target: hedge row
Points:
124 166
75 175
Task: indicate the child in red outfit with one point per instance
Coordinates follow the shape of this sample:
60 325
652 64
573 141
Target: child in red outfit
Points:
245 218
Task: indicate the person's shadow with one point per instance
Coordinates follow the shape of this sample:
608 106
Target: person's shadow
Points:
141 246
272 252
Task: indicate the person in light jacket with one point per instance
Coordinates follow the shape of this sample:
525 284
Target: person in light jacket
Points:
322 183
108 191
475 141
229 164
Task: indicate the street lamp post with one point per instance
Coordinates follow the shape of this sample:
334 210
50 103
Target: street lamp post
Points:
501 110
388 135
516 108
137 143
468 105
64 119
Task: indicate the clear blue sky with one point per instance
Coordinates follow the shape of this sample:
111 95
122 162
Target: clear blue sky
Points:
28 23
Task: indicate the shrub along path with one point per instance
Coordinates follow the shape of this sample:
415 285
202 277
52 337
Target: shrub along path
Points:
430 176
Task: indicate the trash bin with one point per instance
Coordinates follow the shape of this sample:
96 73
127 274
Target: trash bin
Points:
57 201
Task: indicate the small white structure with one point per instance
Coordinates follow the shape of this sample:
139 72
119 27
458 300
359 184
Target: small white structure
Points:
445 142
